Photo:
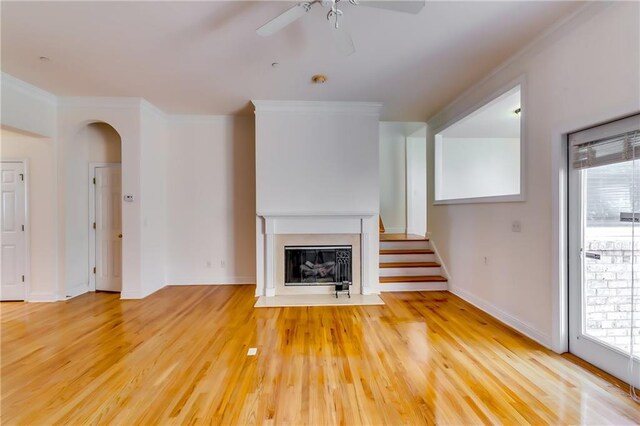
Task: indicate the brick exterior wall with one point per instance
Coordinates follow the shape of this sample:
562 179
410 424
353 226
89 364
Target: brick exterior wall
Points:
609 308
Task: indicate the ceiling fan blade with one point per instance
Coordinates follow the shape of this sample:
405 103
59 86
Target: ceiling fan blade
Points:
343 41
284 19
406 6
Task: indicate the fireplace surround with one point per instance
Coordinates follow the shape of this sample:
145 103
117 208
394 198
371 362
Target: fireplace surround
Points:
276 232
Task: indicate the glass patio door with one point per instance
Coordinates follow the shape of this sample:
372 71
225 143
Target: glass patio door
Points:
604 247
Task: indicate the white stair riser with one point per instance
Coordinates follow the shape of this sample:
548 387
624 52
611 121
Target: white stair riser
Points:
403 245
409 272
407 258
414 287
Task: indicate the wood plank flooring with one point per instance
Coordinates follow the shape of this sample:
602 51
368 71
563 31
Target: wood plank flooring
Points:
179 357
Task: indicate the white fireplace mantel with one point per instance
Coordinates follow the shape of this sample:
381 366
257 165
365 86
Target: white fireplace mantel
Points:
281 223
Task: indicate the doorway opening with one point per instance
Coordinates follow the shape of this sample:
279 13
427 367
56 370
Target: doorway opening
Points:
13 214
105 207
604 247
403 178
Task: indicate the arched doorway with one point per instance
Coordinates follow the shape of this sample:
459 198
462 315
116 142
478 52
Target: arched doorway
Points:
104 149
93 210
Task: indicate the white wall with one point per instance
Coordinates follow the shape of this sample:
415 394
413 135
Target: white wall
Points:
476 167
98 143
587 71
94 142
154 138
417 184
393 176
211 200
102 143
193 179
315 158
74 114
41 194
312 161
26 107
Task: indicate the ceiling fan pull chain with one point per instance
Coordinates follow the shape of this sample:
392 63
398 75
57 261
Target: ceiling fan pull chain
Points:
334 12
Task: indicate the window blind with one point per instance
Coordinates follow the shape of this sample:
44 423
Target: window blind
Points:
610 143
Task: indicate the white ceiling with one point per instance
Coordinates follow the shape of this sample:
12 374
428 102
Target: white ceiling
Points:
205 57
496 119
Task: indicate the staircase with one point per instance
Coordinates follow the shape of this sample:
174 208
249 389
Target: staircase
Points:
407 263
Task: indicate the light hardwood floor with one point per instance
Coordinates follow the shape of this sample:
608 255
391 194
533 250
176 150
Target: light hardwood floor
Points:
179 357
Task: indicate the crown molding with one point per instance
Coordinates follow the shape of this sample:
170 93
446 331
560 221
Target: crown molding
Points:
25 88
203 118
538 43
99 102
366 108
149 107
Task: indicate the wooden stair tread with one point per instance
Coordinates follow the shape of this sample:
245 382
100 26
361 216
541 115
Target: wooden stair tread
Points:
410 240
406 251
413 279
409 265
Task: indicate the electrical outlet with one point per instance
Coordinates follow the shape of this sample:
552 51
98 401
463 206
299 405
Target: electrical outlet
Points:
516 226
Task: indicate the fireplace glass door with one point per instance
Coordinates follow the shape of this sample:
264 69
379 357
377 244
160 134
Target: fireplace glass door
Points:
317 265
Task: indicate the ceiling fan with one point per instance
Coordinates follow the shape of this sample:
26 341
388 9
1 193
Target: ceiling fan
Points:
343 39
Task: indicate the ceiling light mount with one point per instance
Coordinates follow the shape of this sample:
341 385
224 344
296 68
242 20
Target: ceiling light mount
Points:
319 79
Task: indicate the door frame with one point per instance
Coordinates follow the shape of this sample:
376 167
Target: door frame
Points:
599 352
92 219
559 339
27 225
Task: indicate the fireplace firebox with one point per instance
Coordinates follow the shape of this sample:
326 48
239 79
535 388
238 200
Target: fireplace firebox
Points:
317 265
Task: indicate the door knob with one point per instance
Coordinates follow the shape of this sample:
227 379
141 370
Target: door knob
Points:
119 235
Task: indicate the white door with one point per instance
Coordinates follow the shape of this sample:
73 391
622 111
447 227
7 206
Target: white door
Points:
108 229
604 247
13 232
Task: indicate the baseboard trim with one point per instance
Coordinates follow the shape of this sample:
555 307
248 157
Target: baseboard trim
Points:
213 281
43 297
76 291
502 316
131 295
443 266
397 230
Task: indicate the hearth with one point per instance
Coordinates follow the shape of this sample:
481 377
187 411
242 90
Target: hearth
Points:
317 265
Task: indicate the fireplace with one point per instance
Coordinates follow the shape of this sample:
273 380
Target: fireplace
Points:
317 265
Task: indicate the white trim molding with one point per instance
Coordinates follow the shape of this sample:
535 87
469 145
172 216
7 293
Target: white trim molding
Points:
76 291
365 108
27 223
560 210
290 223
43 297
521 83
28 89
99 102
212 281
443 267
502 316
